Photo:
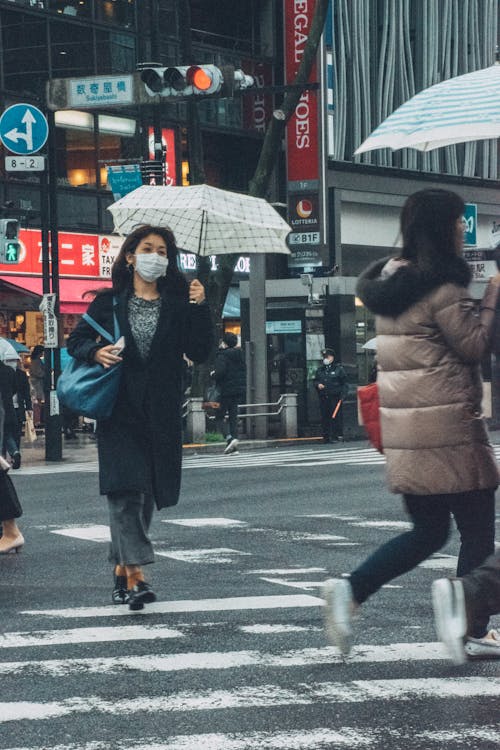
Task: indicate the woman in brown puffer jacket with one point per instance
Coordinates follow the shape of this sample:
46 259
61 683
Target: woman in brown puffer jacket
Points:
431 338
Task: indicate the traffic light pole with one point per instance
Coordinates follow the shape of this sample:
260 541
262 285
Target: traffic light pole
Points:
155 53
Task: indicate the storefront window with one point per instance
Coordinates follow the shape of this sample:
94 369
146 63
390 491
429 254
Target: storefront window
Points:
76 157
87 142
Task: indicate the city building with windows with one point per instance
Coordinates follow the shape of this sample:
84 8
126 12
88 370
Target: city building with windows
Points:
42 40
376 55
343 209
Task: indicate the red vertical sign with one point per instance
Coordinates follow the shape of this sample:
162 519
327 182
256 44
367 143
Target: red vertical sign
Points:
302 129
168 141
258 108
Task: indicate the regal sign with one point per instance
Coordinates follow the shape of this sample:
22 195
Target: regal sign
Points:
302 145
302 129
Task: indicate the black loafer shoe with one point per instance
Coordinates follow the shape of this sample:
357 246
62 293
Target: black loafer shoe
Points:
120 594
16 460
140 594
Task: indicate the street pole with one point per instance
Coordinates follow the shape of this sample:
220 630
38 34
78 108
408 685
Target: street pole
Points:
155 54
53 433
258 337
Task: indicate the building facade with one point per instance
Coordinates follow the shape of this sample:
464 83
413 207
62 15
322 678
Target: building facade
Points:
376 55
42 40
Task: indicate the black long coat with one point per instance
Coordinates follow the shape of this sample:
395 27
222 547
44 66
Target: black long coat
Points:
7 390
140 445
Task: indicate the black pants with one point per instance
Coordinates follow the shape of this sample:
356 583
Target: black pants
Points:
229 404
474 514
329 427
482 590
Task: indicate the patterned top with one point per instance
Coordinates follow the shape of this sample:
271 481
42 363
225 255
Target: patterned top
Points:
143 315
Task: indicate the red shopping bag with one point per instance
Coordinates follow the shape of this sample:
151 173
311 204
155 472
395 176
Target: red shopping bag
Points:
369 410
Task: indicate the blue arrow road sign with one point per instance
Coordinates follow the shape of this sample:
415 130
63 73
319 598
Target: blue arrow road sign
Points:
23 129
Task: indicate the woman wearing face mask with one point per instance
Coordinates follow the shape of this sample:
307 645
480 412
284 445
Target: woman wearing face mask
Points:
140 445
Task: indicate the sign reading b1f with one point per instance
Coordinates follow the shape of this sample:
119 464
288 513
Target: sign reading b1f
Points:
23 129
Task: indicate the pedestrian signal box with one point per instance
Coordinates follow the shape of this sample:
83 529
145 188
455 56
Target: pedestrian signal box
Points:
10 247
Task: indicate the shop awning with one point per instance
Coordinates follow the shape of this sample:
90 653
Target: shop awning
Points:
71 290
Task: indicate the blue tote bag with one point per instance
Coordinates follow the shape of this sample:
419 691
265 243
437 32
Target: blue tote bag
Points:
91 389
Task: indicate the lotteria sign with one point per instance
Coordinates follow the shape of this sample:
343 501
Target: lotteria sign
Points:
302 129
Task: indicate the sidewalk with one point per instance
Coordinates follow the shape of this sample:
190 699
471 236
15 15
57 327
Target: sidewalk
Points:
83 449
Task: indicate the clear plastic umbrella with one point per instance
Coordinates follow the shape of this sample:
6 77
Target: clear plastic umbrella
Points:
463 108
8 354
204 219
371 344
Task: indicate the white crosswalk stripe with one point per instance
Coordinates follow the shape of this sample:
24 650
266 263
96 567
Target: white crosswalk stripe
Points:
316 739
231 673
272 457
265 674
285 457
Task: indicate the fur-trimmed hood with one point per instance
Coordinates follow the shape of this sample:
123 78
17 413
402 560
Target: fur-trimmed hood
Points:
389 287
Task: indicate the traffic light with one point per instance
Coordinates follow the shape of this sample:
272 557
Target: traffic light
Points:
193 80
10 247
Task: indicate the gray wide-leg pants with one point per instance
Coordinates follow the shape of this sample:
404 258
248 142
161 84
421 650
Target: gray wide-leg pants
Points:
130 515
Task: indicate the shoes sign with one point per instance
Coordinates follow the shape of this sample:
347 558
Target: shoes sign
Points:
50 331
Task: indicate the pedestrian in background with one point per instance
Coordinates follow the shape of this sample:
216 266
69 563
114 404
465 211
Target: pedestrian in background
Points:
231 381
430 341
22 407
36 379
12 540
330 382
140 445
8 392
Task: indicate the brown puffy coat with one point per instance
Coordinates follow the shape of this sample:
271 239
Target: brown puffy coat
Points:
430 341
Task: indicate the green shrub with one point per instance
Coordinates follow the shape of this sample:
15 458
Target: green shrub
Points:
214 437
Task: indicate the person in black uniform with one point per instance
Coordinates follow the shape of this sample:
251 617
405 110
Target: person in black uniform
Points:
330 382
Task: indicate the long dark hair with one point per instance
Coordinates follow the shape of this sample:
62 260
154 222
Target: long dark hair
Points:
173 281
428 228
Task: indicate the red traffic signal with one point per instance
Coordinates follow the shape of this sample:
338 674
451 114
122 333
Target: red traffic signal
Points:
189 80
205 79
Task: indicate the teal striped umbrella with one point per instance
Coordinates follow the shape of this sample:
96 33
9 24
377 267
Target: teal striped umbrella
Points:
464 108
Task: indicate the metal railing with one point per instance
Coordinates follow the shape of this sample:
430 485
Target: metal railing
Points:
285 409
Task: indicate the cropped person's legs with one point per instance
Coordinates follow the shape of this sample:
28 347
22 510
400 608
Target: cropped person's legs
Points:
474 513
482 589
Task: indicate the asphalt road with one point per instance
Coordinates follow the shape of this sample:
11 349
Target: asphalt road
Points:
233 656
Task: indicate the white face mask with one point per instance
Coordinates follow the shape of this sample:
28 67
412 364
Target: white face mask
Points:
150 266
327 361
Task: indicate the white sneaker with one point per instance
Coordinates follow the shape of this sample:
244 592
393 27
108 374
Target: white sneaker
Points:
231 446
450 617
484 648
338 611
